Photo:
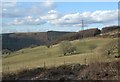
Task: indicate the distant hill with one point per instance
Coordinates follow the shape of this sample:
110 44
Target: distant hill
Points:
17 41
110 29
81 34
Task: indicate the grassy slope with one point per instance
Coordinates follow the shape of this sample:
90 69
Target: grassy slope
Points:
35 57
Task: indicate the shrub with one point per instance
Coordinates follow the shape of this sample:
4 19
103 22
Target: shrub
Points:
67 47
111 49
6 51
48 45
33 45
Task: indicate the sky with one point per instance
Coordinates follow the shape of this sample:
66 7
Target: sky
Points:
57 16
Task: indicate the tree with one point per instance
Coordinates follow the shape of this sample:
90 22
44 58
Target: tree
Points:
67 48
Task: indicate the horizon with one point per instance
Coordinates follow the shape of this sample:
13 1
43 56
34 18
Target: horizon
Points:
57 16
55 30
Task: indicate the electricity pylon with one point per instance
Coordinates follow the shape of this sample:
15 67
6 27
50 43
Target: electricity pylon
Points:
82 26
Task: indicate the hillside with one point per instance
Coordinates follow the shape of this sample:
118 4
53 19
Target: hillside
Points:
17 41
32 61
35 57
95 53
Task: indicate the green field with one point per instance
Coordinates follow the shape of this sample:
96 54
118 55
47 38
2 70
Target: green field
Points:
40 56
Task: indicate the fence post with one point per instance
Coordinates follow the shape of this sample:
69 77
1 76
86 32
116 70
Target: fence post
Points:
64 62
44 69
8 68
44 65
85 61
54 63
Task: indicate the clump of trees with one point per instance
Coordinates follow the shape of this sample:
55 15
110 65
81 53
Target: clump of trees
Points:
67 48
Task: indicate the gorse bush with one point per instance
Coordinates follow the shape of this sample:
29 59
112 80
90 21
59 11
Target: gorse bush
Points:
67 48
111 49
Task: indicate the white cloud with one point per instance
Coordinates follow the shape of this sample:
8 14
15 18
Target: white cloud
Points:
4 6
41 8
17 22
89 18
52 15
11 9
48 3
105 16
8 4
73 19
29 20
4 9
52 12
